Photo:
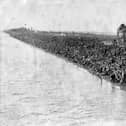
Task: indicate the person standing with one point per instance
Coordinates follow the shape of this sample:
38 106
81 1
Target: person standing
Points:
121 33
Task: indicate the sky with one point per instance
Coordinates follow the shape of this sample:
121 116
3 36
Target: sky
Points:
63 15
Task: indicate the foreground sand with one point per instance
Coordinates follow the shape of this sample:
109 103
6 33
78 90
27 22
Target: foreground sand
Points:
51 92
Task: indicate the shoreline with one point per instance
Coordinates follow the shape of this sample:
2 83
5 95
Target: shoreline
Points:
86 51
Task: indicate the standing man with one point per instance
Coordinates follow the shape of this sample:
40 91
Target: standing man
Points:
121 34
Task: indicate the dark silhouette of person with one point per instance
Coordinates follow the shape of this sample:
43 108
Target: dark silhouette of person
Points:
121 33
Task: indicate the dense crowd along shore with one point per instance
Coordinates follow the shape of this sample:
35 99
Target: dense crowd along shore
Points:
106 61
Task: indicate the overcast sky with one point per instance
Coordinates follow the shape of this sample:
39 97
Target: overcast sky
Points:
64 15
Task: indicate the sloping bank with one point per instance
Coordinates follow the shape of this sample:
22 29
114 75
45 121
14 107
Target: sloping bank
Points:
85 50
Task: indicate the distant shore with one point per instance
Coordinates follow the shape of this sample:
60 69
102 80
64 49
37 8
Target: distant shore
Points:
84 49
